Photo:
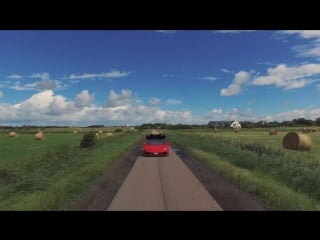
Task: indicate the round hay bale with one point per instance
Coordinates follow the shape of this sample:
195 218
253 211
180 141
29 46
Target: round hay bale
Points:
296 141
75 131
109 134
273 132
39 136
13 134
154 132
306 130
97 135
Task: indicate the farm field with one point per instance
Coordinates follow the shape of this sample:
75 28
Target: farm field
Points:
257 163
50 174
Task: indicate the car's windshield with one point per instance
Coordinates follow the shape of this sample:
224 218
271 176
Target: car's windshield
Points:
155 141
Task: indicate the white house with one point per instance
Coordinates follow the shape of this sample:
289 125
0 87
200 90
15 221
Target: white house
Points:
235 125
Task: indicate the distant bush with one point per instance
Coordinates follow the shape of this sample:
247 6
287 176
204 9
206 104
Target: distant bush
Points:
88 140
118 130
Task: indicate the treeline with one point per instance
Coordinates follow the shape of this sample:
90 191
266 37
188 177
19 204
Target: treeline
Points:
26 127
170 126
96 126
299 122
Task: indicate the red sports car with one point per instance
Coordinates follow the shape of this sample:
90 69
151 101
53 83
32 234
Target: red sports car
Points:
155 147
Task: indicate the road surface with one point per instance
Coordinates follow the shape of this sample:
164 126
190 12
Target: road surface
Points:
162 183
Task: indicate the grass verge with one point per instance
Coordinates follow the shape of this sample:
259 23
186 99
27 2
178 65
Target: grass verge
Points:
53 178
283 181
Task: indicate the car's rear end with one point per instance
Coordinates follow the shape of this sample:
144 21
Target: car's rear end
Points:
155 148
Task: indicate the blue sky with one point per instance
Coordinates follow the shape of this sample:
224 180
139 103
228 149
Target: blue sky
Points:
132 77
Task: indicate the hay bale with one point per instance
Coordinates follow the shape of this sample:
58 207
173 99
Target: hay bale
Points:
13 134
100 132
109 134
155 132
97 135
39 136
306 130
75 131
296 141
273 132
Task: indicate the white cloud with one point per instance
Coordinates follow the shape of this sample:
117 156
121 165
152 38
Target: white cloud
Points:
174 101
59 106
218 111
84 76
234 31
112 74
38 102
154 101
46 108
289 77
84 99
47 85
116 100
210 78
236 86
307 34
308 113
41 108
42 85
43 76
234 114
215 114
1 94
14 77
18 87
311 48
249 115
307 50
225 70
166 31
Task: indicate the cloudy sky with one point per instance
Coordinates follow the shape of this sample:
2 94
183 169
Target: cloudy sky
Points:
134 77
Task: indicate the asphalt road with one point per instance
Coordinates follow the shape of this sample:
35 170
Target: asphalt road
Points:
162 183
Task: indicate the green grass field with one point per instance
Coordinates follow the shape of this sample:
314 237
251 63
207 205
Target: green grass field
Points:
257 163
51 174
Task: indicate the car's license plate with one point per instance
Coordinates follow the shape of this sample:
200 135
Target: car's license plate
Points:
155 153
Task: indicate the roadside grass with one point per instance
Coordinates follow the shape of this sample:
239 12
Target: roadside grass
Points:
53 176
257 163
